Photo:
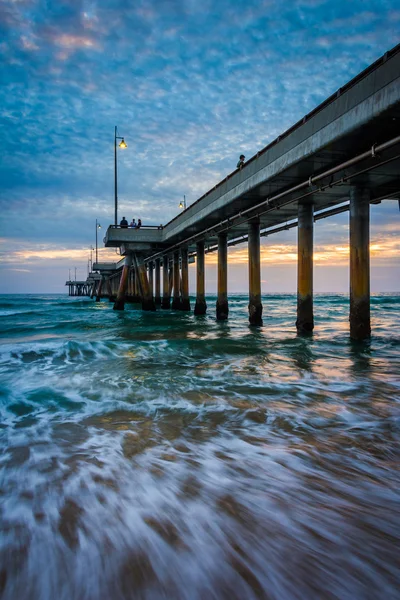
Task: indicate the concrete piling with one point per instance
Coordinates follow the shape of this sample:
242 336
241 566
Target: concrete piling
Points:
166 299
222 309
185 302
99 286
305 254
176 298
145 292
123 284
255 305
111 296
151 279
171 279
360 320
136 296
157 298
200 306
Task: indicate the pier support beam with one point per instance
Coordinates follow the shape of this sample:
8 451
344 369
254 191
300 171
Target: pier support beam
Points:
255 306
99 286
200 306
166 299
305 255
136 295
222 300
171 278
123 284
360 323
145 292
111 297
185 302
151 279
176 299
157 298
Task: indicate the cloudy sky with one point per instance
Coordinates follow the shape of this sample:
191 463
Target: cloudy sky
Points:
190 84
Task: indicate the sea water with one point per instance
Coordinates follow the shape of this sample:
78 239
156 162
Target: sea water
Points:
162 455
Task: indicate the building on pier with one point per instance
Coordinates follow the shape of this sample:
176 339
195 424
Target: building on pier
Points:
342 156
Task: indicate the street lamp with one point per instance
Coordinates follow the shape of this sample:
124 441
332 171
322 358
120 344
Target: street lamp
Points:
183 204
91 256
98 226
122 144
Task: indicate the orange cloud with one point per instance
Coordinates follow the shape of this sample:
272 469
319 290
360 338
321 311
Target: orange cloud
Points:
31 255
383 251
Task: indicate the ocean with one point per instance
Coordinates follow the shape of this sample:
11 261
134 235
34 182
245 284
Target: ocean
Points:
166 456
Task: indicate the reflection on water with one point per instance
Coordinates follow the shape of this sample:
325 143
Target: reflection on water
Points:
163 456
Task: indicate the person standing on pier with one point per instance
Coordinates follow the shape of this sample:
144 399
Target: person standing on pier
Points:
241 161
132 223
124 222
139 224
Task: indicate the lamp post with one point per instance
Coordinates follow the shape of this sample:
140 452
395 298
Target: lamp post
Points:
98 226
122 144
91 256
183 204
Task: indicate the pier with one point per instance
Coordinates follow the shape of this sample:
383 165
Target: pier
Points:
342 156
82 288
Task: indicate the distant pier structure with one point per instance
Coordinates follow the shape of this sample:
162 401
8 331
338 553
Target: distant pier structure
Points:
82 288
342 156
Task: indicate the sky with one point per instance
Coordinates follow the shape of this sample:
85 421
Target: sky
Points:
191 85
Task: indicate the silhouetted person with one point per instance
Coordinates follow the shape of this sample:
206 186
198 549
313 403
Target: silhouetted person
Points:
124 222
241 161
139 224
132 223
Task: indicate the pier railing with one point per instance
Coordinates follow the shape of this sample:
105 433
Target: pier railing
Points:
157 227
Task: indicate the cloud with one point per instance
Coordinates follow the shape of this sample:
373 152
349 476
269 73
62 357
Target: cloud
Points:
189 85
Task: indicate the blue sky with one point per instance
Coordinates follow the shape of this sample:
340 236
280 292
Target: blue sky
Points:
191 85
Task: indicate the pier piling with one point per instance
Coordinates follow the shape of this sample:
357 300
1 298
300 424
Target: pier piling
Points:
145 292
185 302
151 279
360 323
157 298
200 306
166 299
176 299
222 309
255 305
123 284
305 251
99 286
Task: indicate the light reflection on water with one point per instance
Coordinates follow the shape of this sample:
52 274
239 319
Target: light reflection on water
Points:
163 456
